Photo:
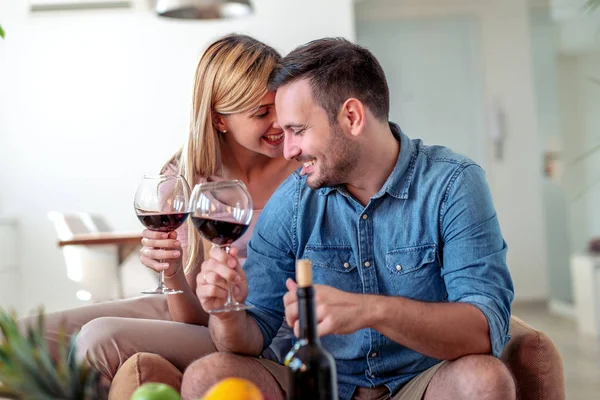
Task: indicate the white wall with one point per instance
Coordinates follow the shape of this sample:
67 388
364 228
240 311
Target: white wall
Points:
545 47
436 94
580 112
516 180
90 101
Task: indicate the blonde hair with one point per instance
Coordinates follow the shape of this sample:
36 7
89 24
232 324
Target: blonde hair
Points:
231 77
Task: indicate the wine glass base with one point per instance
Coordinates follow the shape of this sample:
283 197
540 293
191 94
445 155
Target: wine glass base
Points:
162 290
231 307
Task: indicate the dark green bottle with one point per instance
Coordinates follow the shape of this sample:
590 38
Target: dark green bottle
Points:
311 368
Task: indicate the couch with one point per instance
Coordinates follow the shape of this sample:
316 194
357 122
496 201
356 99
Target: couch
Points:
530 355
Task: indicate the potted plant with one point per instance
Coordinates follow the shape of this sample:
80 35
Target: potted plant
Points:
28 371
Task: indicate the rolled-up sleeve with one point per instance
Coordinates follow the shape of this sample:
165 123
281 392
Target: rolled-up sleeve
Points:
271 259
474 253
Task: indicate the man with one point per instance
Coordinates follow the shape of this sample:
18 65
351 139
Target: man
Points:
414 293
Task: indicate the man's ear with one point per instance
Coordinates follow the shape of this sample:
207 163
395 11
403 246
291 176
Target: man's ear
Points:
352 116
219 121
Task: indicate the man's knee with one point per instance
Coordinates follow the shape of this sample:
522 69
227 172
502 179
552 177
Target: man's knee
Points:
484 377
207 371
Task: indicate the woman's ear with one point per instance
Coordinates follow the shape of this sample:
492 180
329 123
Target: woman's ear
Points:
219 122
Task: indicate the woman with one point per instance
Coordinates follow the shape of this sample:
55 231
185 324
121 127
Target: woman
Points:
233 135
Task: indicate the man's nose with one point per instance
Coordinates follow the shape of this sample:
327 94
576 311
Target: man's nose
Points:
290 149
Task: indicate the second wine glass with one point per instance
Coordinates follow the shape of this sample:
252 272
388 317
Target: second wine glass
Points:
222 212
161 204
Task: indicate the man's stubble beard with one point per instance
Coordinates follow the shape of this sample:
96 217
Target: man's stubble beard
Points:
341 162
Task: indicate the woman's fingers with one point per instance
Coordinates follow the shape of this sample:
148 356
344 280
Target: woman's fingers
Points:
160 254
147 233
162 243
154 264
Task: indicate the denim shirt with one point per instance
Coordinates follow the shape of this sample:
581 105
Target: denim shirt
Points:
430 234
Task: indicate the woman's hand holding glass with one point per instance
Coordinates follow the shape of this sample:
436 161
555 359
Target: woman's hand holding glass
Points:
161 203
161 251
218 272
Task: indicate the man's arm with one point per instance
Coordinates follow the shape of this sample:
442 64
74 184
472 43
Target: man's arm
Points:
474 253
225 331
475 319
445 331
269 263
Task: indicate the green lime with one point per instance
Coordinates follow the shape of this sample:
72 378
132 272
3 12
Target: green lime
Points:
155 391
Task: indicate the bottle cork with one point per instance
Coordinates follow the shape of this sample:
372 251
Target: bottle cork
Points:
304 273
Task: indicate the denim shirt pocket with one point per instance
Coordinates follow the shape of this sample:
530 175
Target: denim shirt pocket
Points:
413 271
334 266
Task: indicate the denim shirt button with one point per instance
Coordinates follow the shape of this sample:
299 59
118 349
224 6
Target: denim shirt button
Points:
398 267
365 216
373 376
367 264
346 265
374 354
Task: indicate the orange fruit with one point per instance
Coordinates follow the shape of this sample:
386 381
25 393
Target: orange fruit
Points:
233 389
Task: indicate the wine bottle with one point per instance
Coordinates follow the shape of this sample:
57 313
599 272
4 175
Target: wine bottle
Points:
311 368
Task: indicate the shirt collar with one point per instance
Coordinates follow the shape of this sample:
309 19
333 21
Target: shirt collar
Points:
398 183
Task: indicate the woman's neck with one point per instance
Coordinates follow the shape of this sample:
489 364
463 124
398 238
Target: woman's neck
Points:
237 162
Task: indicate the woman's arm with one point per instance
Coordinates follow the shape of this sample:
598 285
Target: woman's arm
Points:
185 307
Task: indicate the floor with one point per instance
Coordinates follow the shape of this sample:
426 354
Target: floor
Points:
581 354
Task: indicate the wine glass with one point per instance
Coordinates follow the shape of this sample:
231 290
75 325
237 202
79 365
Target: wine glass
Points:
222 212
161 204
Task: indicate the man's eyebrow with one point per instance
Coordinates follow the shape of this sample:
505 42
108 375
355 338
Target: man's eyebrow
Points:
288 126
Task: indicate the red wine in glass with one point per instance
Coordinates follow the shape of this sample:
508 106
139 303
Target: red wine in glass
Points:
221 233
221 212
161 204
167 222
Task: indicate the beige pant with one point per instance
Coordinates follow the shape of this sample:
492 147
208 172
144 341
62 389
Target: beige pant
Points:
413 390
111 332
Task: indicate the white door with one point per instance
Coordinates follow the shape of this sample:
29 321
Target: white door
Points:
433 67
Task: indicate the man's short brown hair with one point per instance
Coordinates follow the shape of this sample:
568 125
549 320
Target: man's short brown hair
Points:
336 70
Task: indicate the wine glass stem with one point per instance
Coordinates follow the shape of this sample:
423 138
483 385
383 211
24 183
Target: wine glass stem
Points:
230 299
161 278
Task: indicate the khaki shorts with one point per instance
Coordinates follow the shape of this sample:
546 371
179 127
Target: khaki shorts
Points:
413 390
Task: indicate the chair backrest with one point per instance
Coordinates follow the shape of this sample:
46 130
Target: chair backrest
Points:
69 224
93 268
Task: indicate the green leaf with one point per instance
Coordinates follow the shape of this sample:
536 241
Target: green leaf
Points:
29 371
591 5
2 33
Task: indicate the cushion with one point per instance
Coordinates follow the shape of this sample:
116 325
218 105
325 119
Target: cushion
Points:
142 368
535 362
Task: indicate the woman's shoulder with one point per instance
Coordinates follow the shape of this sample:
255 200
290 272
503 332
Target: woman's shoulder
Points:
171 167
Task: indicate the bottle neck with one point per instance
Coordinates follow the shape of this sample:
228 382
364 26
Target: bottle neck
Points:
307 315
